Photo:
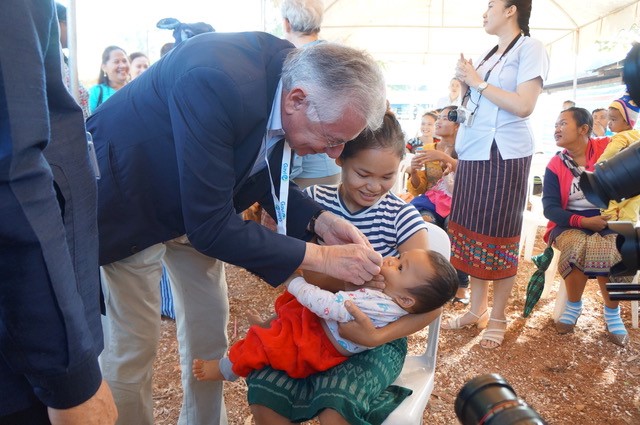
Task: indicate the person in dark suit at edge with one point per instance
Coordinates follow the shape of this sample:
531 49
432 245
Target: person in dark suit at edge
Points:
50 333
182 151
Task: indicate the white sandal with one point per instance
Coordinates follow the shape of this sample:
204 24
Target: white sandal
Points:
494 335
454 323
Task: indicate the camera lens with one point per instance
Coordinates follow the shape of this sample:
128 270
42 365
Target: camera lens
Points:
490 400
613 179
456 115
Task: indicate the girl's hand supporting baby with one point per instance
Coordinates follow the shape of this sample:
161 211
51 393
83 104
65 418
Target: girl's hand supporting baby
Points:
361 329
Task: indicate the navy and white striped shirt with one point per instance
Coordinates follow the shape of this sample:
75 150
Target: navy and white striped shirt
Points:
387 224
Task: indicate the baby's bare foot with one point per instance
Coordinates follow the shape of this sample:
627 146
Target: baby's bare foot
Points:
255 319
207 370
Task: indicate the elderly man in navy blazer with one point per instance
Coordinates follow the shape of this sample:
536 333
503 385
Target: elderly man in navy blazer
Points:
50 333
183 149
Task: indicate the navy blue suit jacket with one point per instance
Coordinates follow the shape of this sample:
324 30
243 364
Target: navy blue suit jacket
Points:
176 147
50 333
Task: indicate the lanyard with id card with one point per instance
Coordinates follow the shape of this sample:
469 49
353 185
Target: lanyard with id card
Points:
280 202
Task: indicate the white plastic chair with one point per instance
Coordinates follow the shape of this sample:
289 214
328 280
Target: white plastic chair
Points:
530 223
551 274
400 185
531 220
418 372
561 295
635 309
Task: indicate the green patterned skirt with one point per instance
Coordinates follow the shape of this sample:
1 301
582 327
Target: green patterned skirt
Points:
359 389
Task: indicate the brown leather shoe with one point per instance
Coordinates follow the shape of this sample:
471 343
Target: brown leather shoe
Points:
565 328
619 339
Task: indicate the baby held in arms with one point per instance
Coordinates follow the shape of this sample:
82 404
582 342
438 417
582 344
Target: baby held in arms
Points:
303 338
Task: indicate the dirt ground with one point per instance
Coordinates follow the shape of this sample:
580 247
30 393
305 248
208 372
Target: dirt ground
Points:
580 378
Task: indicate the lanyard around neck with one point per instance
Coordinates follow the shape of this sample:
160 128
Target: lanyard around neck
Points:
280 203
493 51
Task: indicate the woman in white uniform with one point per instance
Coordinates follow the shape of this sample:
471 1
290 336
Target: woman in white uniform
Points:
495 145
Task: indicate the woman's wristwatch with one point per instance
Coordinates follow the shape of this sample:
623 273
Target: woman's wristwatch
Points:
482 86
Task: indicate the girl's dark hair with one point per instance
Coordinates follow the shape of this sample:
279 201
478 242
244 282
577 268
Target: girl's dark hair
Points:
439 288
582 117
524 13
389 136
103 78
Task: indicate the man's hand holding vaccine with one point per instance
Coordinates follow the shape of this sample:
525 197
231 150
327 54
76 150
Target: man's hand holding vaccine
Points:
346 255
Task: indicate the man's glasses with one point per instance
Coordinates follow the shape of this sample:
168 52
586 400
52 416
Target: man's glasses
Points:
332 142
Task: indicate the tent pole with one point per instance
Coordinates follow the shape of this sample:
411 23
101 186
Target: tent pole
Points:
576 46
72 41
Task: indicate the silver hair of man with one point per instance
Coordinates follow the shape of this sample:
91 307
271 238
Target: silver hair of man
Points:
334 76
305 16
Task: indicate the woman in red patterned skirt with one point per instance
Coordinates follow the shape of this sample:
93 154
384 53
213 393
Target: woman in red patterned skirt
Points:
495 145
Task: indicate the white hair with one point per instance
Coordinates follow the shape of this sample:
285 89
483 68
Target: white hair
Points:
305 16
334 77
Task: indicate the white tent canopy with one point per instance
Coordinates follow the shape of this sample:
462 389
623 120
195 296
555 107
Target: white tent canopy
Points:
418 38
412 35
417 41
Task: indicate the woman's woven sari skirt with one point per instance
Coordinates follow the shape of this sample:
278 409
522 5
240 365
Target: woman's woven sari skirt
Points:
486 215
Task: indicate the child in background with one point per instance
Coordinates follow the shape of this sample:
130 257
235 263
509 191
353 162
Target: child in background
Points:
600 123
304 339
623 114
426 139
428 164
434 201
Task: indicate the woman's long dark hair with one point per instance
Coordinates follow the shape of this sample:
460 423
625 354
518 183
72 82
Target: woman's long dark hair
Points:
103 78
524 13
582 117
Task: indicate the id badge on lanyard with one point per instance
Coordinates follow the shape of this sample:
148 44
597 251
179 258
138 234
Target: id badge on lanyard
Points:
280 202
